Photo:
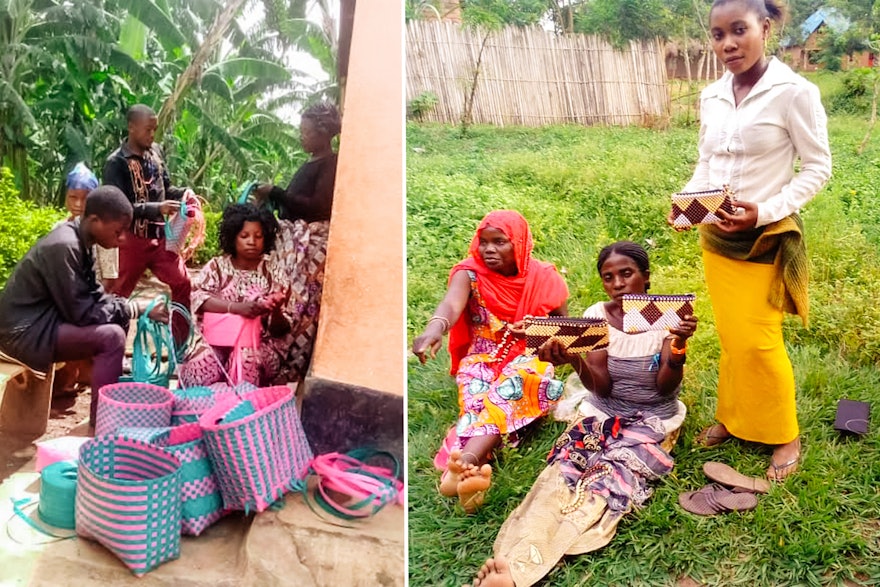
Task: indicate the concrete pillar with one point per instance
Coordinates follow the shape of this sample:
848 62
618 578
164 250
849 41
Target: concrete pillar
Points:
354 394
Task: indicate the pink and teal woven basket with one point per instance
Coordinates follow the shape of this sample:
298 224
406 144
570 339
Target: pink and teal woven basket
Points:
258 447
128 499
132 405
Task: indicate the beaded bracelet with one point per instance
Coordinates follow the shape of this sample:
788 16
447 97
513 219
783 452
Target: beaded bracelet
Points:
677 351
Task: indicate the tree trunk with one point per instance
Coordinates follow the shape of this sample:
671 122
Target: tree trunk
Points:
193 71
467 115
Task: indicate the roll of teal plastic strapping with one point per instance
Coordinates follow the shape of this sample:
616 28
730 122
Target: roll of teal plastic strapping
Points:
58 495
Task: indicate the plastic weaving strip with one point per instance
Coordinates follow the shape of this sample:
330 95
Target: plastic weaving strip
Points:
692 208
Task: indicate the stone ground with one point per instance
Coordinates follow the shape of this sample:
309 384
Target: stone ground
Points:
291 546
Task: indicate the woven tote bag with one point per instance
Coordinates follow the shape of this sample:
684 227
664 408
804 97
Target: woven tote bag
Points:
201 502
258 447
128 500
192 402
132 405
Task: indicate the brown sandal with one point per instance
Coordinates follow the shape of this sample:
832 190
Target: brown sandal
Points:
715 499
727 475
709 436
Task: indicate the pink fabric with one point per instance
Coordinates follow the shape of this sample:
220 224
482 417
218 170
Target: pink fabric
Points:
232 330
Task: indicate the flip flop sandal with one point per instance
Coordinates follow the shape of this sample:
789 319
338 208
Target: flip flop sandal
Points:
699 502
707 440
715 499
727 475
776 468
736 501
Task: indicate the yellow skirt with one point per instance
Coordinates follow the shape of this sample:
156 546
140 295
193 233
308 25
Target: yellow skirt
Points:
756 394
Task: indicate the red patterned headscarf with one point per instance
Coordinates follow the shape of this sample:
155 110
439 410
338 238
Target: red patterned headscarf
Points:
535 290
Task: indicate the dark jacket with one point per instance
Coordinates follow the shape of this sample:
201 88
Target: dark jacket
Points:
309 196
53 283
148 221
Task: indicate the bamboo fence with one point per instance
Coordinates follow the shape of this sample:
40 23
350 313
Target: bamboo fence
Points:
531 77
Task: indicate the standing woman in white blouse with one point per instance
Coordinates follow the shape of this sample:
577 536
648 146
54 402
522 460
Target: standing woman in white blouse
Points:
755 122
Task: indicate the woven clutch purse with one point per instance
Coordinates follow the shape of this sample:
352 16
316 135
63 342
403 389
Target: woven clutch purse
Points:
577 335
691 208
644 312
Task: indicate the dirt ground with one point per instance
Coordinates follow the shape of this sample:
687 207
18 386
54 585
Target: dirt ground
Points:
68 410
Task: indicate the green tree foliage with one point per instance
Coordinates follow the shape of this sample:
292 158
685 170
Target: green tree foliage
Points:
70 68
621 21
496 13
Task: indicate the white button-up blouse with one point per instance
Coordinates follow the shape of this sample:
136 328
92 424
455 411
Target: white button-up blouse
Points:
752 147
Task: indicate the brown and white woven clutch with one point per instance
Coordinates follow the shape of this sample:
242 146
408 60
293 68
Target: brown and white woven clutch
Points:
692 208
644 312
577 335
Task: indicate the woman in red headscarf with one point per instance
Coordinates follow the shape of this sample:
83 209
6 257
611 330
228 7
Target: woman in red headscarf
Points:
499 389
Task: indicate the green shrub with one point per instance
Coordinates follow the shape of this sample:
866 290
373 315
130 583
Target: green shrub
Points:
854 95
22 223
211 246
421 105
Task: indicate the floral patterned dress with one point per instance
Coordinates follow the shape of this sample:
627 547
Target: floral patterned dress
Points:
300 255
493 397
262 366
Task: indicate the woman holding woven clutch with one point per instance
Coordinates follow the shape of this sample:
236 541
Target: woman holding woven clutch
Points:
624 416
756 121
499 390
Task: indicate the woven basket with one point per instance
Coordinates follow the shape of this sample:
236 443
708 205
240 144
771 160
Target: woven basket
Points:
132 405
192 402
128 499
202 504
258 447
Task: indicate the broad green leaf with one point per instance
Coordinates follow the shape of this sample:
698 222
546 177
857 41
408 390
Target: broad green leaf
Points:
253 68
133 37
158 21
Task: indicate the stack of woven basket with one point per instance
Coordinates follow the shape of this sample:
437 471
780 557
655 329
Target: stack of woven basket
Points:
167 462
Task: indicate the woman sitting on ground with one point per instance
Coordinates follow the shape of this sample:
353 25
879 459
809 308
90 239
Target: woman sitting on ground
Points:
623 425
500 391
240 283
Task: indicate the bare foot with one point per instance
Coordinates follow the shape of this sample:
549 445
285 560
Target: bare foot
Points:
493 573
712 435
472 487
450 478
785 460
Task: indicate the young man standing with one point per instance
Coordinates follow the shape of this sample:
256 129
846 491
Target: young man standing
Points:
138 169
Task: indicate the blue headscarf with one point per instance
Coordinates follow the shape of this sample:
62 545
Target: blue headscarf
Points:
81 178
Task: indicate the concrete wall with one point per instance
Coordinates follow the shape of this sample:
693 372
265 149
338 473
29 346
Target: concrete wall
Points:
353 396
361 336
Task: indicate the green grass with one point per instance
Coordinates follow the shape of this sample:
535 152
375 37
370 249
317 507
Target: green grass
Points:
582 188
